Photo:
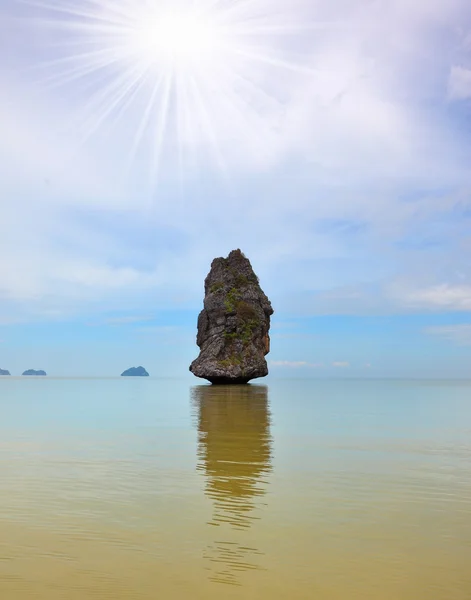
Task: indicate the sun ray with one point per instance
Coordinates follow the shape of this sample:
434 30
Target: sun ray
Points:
247 9
127 103
95 58
145 119
181 122
110 99
201 78
72 11
86 28
286 29
209 130
161 126
78 72
275 62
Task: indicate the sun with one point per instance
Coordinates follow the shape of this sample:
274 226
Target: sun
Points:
176 37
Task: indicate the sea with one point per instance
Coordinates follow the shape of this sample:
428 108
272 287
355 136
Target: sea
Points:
146 489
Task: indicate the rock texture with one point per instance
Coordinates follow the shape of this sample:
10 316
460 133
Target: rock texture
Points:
33 372
135 372
233 327
4 372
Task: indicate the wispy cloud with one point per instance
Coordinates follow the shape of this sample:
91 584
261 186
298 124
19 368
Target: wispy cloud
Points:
370 133
170 330
287 336
458 334
443 297
459 84
128 319
308 365
296 364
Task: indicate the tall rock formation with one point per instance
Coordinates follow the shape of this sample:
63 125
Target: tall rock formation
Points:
233 327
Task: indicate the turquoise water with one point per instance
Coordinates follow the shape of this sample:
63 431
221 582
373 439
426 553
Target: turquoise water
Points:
145 488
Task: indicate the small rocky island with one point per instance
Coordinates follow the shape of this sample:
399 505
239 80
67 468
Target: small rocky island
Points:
135 372
35 373
4 372
233 327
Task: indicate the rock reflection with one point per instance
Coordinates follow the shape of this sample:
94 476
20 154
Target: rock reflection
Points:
234 453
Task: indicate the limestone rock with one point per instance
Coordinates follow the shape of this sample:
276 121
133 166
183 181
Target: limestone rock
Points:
35 373
135 372
4 372
233 327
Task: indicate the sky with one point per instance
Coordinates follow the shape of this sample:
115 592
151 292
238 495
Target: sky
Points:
329 141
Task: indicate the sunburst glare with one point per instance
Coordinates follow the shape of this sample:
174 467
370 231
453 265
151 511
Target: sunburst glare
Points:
178 38
200 81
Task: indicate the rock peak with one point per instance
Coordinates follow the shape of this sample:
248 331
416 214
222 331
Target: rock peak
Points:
135 372
233 327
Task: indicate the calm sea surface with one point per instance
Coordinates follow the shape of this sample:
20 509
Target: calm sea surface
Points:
144 488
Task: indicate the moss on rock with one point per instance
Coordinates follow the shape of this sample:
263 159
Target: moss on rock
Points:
233 327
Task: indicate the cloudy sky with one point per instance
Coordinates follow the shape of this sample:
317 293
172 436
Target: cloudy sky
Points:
330 141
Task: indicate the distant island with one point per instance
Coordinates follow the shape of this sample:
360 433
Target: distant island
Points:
4 372
33 372
135 372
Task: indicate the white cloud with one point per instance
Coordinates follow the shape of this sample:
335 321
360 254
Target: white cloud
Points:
170 330
337 110
295 364
128 319
308 365
288 336
442 297
397 296
459 334
459 83
36 278
352 142
40 161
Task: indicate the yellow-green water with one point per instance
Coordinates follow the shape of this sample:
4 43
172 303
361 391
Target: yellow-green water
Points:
144 489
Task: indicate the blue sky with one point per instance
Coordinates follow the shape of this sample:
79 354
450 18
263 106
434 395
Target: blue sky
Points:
329 141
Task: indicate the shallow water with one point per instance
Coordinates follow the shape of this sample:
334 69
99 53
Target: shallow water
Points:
141 488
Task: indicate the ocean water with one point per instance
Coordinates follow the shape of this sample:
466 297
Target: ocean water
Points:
299 489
